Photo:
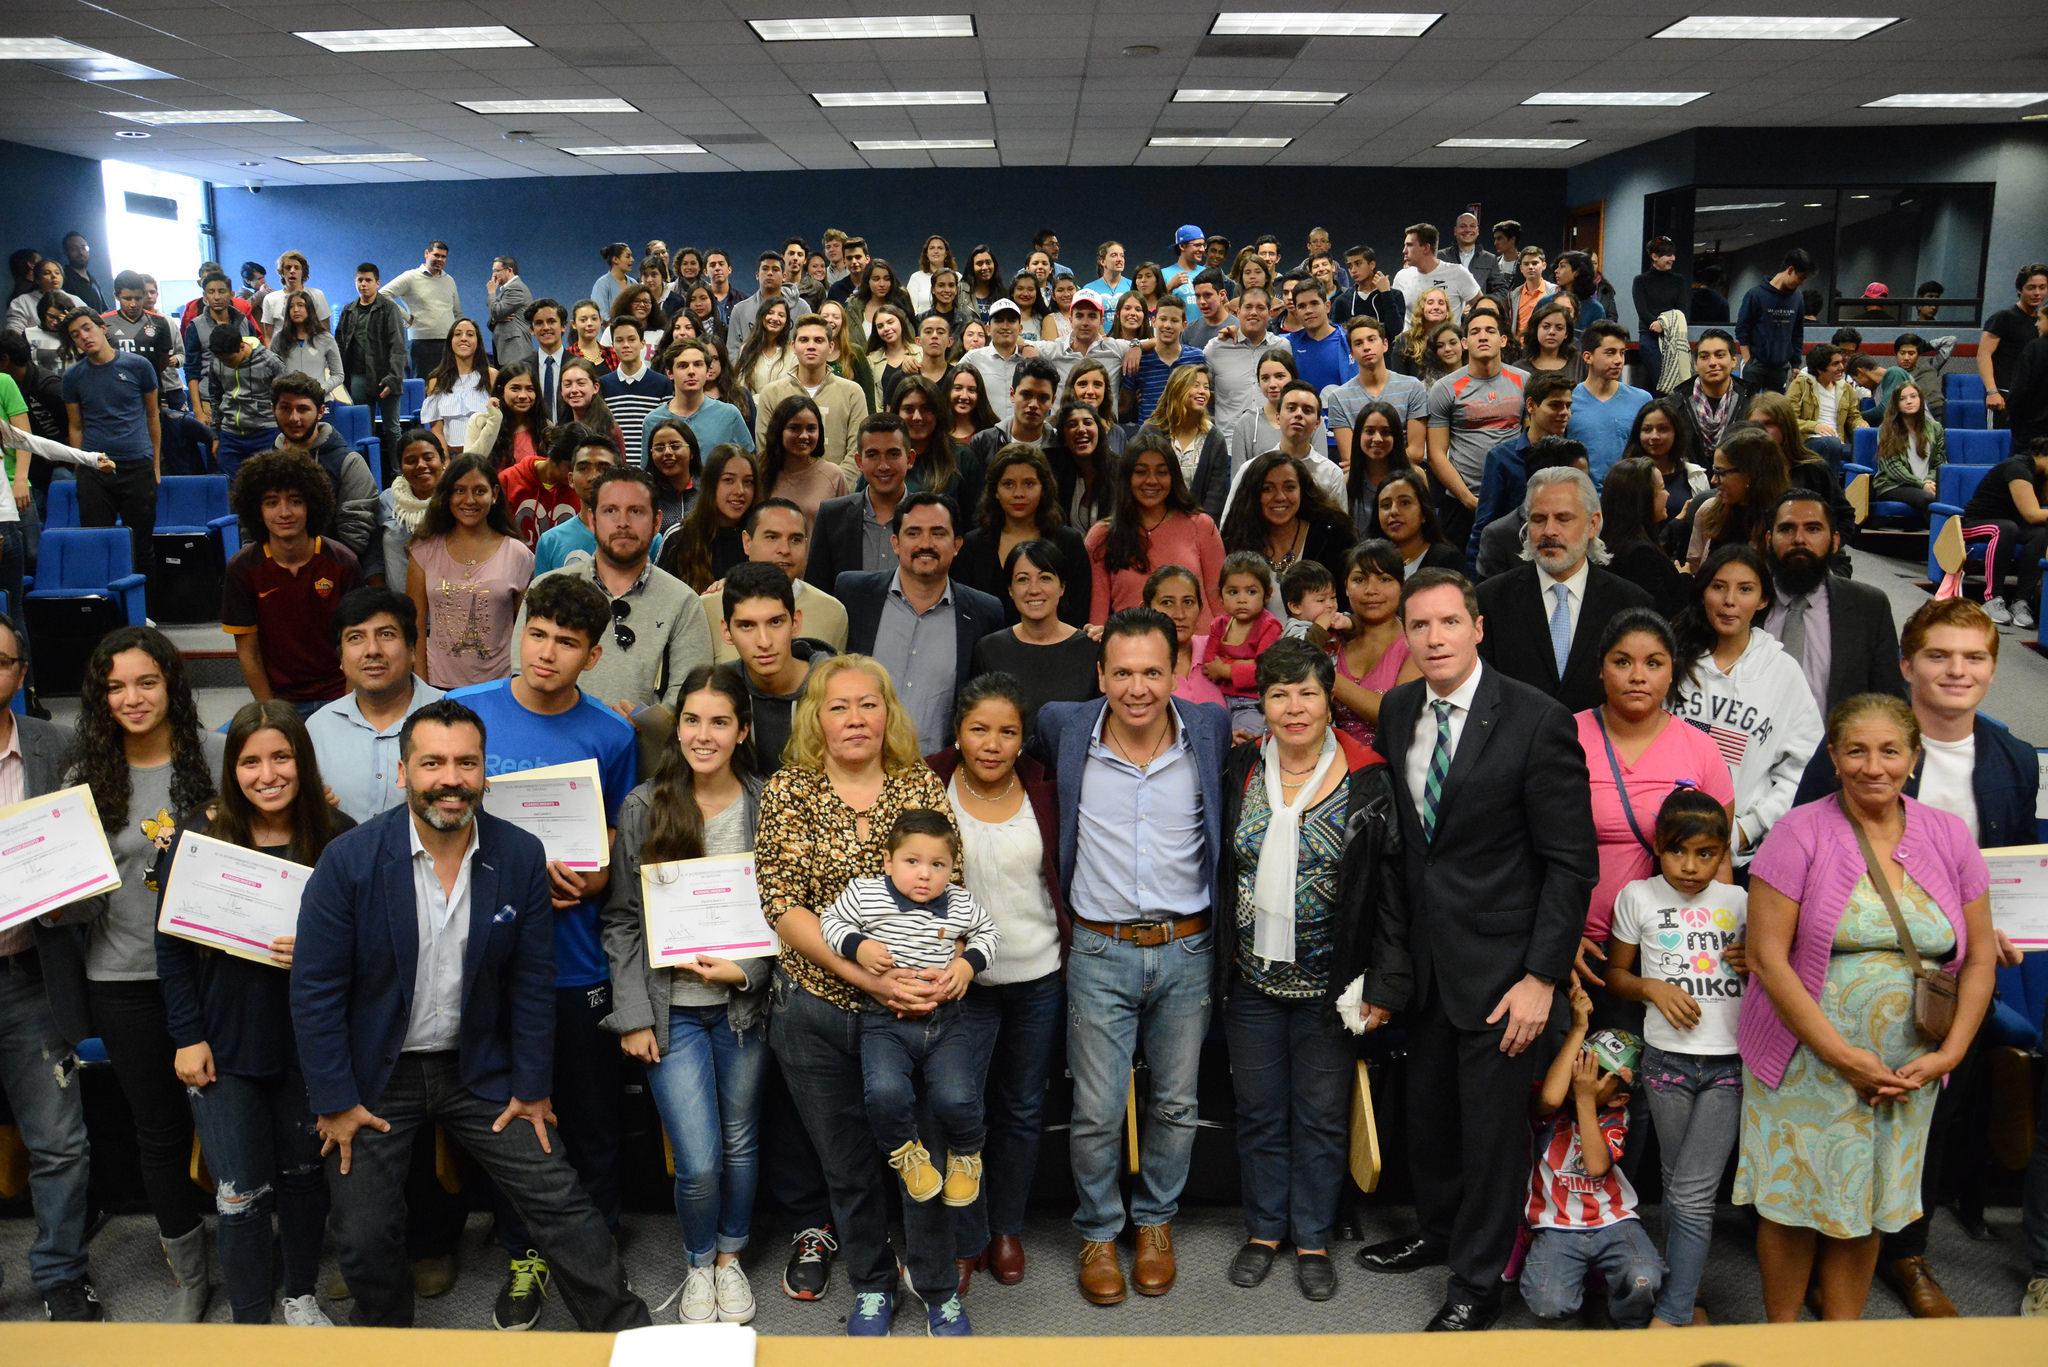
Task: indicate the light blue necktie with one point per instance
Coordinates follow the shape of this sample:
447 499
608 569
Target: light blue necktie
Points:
1561 627
1439 767
547 384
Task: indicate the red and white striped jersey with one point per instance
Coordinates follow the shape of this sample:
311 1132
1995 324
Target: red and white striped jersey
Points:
1562 1195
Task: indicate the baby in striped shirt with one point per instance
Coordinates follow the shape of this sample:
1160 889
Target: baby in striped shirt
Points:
915 917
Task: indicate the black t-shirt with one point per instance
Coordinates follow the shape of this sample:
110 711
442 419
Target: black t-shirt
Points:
1055 673
1993 500
2013 329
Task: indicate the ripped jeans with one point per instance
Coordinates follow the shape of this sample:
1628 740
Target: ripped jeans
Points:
263 1151
39 1075
1696 1105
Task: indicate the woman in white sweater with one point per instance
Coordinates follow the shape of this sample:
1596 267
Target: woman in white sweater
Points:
1738 685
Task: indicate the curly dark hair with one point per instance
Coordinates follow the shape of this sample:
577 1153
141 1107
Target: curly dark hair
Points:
439 518
1125 545
101 760
281 472
1244 525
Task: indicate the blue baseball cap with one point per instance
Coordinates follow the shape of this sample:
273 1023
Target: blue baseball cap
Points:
1186 233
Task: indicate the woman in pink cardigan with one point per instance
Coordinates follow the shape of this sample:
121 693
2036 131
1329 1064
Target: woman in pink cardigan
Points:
1839 1083
1153 521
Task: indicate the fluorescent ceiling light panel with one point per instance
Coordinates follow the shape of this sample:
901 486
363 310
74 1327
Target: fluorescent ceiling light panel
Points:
1515 144
1252 143
596 106
1260 96
1312 25
881 99
889 26
44 50
413 39
1734 208
1982 100
161 118
925 144
352 159
1643 99
1782 28
638 149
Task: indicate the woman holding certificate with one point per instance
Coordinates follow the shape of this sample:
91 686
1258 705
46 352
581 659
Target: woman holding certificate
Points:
850 769
699 1025
230 1017
151 768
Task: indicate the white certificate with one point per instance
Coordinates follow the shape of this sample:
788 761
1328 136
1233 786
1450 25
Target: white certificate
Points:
562 806
704 906
231 898
54 852
2019 893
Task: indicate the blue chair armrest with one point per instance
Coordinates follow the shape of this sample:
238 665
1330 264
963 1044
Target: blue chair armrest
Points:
1850 469
1945 509
125 583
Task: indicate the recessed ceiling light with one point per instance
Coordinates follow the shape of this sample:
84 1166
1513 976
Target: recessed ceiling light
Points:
1732 208
638 149
1514 144
248 163
1780 27
1666 99
413 39
352 159
1816 204
925 144
2030 118
877 99
1325 97
1251 143
1859 196
130 133
162 118
1982 100
44 50
891 26
1311 25
594 106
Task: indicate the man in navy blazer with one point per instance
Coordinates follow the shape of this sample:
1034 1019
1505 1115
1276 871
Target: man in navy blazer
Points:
1140 782
917 621
423 989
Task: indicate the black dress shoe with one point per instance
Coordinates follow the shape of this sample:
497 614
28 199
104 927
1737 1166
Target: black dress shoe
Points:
1454 1317
1316 1274
1401 1255
1251 1264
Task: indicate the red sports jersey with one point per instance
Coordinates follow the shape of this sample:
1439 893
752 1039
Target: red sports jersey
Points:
1562 1195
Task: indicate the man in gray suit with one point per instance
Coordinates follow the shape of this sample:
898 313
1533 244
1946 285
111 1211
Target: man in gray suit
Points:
511 338
42 1018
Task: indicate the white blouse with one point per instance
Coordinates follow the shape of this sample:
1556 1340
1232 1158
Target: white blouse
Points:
1005 870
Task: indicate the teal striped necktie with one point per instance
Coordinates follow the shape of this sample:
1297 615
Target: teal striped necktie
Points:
1439 768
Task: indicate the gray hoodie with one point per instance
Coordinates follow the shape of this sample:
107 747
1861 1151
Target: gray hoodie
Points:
240 394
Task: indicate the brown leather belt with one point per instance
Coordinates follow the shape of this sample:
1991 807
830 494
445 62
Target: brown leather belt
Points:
1148 934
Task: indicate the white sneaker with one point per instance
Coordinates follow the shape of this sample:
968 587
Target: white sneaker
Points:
1997 611
2034 1305
304 1312
2022 616
735 1297
700 1303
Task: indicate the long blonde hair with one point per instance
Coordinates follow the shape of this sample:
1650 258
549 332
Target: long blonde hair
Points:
1415 342
1173 406
806 747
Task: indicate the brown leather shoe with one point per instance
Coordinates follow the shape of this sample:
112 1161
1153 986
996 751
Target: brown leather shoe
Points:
1006 1259
1153 1269
1913 1282
967 1267
1102 1281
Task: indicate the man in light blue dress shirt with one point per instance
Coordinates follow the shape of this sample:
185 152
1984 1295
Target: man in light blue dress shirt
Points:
355 737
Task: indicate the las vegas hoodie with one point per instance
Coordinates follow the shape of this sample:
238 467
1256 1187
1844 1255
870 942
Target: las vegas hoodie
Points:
1762 716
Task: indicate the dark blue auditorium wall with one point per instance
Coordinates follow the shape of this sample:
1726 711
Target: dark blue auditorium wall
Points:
554 226
51 194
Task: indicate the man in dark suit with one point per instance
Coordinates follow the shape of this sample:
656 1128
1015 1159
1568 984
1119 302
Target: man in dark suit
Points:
423 989
42 1018
852 531
920 624
1139 775
1492 790
1839 631
1544 618
1486 267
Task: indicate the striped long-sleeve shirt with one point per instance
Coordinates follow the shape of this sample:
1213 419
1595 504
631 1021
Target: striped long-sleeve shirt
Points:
918 934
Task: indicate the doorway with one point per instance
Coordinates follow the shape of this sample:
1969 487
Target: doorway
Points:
1583 229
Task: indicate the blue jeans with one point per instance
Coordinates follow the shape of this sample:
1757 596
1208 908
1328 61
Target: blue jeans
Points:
589 1078
1833 450
1119 995
236 447
708 1090
895 1052
1696 1105
362 391
262 1147
39 1075
1292 1067
1554 1276
818 1046
1016 1030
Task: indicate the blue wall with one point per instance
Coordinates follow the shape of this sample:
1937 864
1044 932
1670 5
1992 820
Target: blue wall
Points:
48 195
555 226
1620 182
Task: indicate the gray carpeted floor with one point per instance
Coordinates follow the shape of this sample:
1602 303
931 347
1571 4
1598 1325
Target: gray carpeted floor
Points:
1984 1279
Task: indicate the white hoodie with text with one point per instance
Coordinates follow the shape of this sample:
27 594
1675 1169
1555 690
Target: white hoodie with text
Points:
1762 716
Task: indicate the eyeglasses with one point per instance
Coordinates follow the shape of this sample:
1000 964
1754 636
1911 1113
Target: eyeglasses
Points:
623 634
1715 475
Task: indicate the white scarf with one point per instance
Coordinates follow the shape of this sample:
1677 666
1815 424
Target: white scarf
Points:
1280 857
406 508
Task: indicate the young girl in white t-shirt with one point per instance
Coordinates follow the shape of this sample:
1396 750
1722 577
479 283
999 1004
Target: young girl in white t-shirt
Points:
1677 945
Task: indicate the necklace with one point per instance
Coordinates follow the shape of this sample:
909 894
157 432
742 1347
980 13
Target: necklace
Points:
980 796
1153 754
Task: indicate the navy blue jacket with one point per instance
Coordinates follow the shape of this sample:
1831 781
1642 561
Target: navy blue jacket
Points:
358 949
975 615
1769 324
2006 781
